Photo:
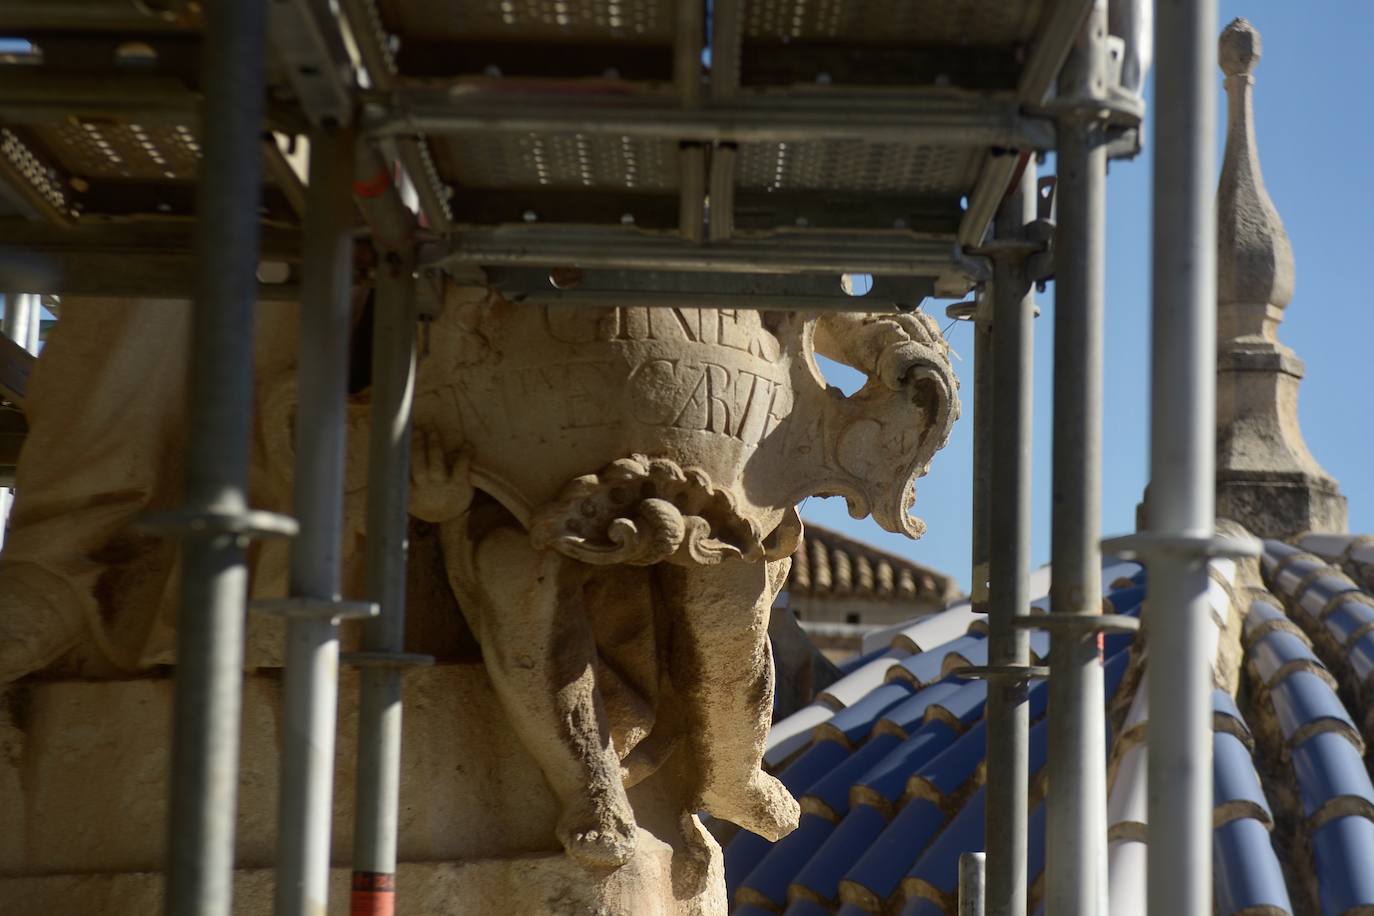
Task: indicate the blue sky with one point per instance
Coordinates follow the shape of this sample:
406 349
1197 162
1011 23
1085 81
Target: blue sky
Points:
1314 93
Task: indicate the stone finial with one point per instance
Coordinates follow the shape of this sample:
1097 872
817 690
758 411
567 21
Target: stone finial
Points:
1254 257
1267 479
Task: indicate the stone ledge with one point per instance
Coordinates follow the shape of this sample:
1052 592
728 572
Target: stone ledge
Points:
83 782
528 884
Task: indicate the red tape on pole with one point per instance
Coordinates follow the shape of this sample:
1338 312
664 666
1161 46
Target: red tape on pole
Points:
373 187
374 894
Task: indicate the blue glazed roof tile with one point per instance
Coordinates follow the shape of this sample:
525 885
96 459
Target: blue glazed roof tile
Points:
851 725
888 779
1275 554
878 872
770 877
855 685
1279 654
822 873
910 714
1329 769
1227 718
1247 875
1127 600
742 853
961 708
1361 657
831 792
1266 615
950 770
794 733
812 764
936 873
1321 590
1305 705
1349 618
1344 858
932 666
891 780
804 907
1288 582
1236 790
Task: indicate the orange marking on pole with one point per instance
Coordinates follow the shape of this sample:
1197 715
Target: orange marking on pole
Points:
375 186
374 894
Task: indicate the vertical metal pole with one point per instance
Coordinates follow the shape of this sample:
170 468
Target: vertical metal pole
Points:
1076 811
35 327
1008 716
1182 439
972 887
214 579
310 680
21 318
982 447
379 704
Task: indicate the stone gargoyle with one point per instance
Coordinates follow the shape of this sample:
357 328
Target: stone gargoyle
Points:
615 494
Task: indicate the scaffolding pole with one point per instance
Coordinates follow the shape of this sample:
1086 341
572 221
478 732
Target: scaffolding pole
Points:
982 448
1008 716
1182 440
214 578
1077 801
310 679
383 638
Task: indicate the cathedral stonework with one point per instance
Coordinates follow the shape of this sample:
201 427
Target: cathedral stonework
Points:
604 512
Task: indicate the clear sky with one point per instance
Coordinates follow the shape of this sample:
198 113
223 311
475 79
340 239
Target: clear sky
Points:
1314 97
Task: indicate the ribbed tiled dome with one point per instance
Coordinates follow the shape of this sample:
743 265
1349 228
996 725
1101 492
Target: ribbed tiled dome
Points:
888 762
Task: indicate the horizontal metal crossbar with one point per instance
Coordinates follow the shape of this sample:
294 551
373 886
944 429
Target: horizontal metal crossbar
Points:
192 521
123 259
695 289
1146 544
877 253
944 119
305 608
1078 623
1005 673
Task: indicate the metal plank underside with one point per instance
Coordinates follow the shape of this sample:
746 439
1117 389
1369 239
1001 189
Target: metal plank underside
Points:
597 162
573 21
914 143
638 22
897 254
687 289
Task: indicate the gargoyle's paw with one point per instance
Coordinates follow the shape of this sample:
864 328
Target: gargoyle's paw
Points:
761 805
605 841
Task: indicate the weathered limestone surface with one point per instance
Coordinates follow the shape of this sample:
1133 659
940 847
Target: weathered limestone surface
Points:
604 505
1266 477
83 769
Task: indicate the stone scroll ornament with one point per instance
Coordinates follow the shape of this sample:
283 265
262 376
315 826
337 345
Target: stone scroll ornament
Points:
616 492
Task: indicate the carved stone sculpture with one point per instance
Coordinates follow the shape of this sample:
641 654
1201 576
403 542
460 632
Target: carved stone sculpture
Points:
639 470
613 495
